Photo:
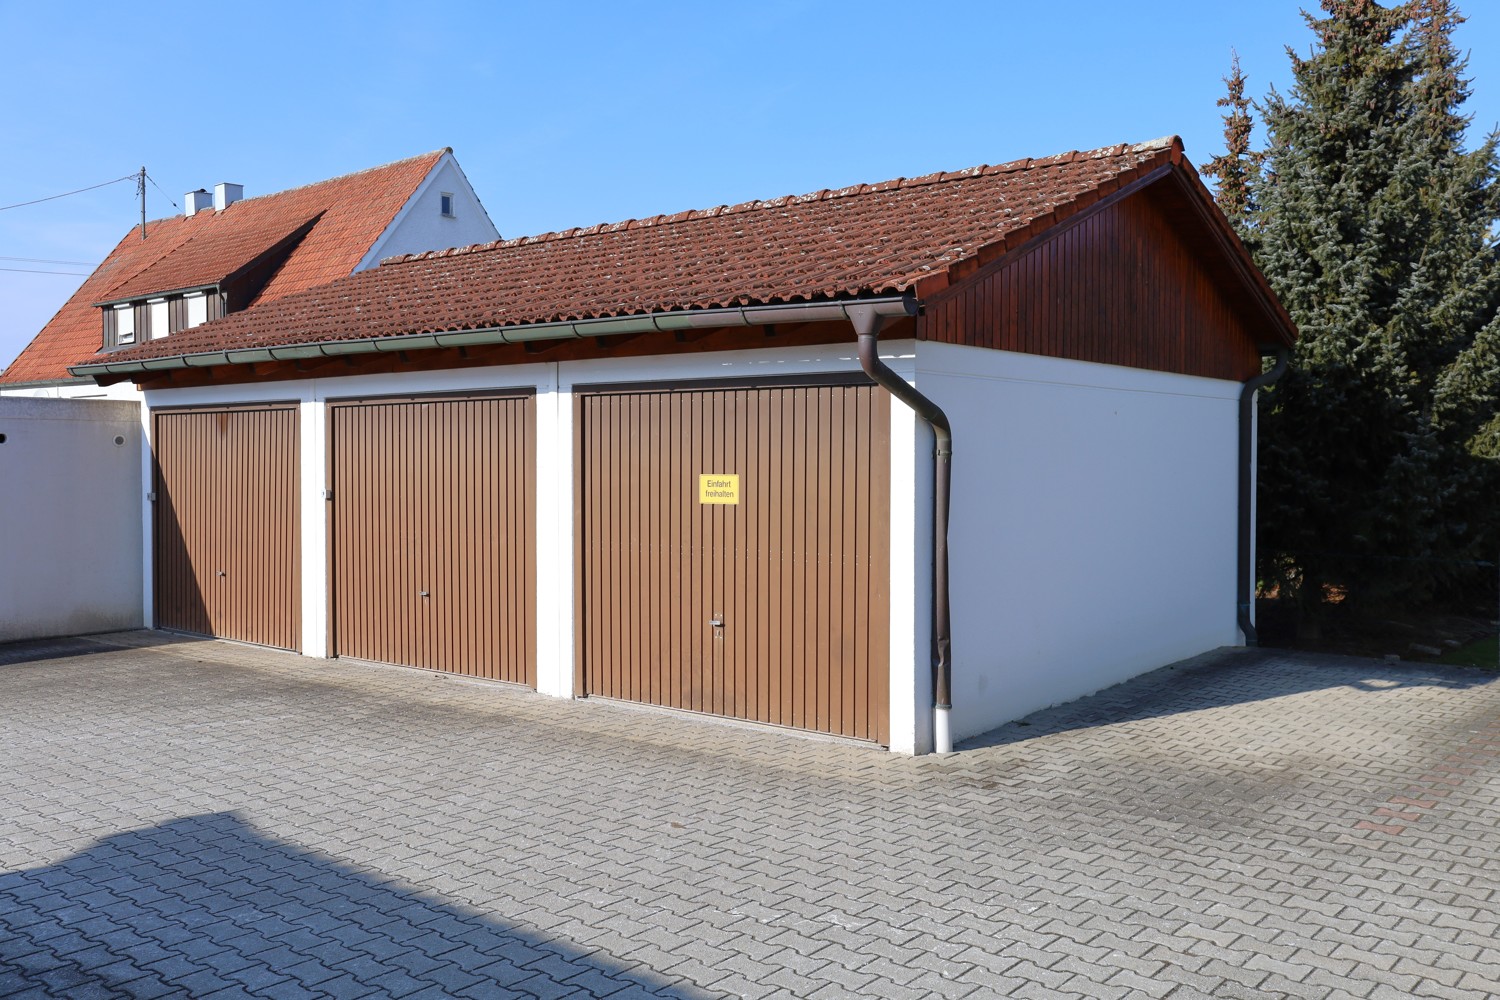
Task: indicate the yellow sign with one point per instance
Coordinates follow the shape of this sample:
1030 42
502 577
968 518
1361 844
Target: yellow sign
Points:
719 488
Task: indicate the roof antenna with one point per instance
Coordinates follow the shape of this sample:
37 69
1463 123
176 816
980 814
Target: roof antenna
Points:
140 189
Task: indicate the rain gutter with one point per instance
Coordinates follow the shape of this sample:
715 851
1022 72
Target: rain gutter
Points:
1246 562
677 320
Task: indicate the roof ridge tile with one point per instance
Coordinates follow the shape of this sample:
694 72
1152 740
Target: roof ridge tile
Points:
404 161
826 194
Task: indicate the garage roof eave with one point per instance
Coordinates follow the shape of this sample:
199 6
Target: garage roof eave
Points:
759 315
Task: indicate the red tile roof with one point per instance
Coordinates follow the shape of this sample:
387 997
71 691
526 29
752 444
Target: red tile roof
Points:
897 236
182 252
224 244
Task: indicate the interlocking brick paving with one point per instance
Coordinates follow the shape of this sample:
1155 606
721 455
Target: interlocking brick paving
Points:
190 818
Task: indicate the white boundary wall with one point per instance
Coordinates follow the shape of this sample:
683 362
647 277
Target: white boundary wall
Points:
70 517
74 390
1093 525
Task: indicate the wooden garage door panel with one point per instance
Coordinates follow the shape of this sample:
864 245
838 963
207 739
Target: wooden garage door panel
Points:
227 525
432 536
798 570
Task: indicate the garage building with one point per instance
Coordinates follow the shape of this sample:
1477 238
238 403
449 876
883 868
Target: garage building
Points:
702 461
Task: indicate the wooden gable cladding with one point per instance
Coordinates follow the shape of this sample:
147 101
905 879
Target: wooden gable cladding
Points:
1138 283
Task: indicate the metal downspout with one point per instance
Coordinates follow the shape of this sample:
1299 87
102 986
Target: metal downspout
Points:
1246 561
867 323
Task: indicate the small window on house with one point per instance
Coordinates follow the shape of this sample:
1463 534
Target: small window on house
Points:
446 201
159 325
197 309
125 324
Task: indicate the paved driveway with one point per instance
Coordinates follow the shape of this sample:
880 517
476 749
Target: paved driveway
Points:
202 819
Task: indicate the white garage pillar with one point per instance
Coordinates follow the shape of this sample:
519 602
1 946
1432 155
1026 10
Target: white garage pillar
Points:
554 536
312 447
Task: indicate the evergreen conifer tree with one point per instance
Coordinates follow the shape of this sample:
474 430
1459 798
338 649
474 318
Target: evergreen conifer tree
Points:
1380 447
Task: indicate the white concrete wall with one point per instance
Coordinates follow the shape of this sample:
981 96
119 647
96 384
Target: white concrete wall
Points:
1093 528
74 390
421 226
70 517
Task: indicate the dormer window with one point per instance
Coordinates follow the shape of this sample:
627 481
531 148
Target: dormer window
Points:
445 203
159 321
197 309
125 324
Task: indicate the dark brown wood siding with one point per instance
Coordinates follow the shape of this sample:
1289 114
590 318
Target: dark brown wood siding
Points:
1124 286
798 571
226 523
432 530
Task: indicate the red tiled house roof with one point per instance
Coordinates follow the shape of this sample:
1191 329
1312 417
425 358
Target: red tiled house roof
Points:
346 216
876 239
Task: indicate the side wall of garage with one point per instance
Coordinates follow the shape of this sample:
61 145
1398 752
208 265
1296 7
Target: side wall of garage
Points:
70 534
1093 524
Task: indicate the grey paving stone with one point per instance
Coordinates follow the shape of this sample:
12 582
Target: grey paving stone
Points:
183 815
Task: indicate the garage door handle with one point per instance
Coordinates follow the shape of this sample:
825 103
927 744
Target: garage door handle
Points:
421 593
716 622
221 572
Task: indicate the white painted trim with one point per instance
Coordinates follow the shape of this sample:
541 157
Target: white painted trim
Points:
312 431
554 537
148 522
757 363
1254 503
911 685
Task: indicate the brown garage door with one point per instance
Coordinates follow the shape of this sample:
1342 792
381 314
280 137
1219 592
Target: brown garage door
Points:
763 509
226 538
432 533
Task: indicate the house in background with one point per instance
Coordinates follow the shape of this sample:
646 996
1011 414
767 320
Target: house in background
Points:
697 461
228 253
72 470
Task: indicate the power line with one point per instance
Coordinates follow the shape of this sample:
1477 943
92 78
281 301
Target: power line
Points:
66 194
28 270
158 187
44 260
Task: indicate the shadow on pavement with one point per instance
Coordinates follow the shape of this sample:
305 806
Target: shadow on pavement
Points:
1230 676
205 904
37 650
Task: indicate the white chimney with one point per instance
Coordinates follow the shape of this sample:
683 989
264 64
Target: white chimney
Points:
196 201
226 195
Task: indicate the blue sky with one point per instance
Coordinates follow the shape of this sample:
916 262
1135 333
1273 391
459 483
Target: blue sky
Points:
571 114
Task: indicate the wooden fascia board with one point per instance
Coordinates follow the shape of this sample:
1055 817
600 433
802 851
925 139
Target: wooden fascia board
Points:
1238 257
1208 214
